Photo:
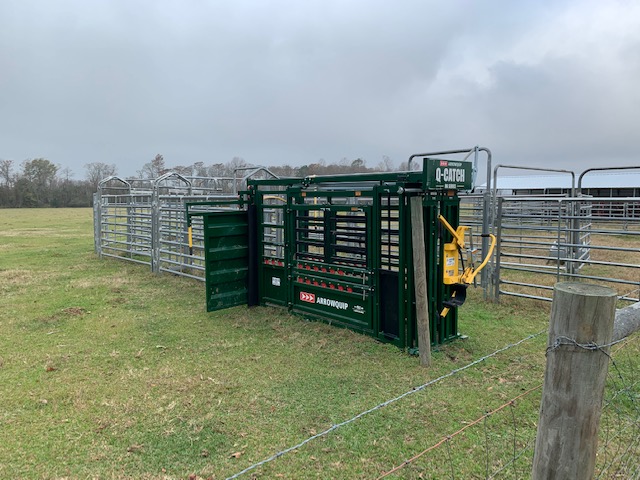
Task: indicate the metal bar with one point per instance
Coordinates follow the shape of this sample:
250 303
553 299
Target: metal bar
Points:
496 273
596 169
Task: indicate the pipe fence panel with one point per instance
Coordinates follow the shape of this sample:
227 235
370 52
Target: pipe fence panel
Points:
472 214
174 254
544 240
124 229
144 221
541 239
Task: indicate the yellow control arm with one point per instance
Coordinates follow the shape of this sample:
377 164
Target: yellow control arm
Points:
469 273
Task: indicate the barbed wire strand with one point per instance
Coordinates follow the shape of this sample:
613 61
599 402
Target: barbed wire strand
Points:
633 383
561 340
458 432
384 404
623 389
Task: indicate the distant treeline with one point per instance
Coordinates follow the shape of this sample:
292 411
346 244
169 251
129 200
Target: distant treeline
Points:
41 183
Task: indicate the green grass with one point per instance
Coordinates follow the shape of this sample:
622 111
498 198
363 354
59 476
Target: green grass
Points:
110 371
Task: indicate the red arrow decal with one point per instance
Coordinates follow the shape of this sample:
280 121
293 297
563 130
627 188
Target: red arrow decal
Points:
307 297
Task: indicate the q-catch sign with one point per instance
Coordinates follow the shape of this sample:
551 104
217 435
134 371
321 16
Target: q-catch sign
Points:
448 174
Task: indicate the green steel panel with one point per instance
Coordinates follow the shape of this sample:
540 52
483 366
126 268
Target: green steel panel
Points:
226 243
347 309
382 177
326 285
323 258
431 205
273 288
272 252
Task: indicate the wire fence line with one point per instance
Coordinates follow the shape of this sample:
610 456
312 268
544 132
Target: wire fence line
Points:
500 442
448 438
383 404
562 340
507 445
619 449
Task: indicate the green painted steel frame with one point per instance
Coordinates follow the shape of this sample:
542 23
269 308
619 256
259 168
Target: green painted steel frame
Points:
282 278
371 188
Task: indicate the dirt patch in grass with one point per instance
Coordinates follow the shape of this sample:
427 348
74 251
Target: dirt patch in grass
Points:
16 277
116 283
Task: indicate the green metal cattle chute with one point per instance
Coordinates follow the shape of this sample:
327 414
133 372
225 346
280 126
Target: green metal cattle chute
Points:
337 248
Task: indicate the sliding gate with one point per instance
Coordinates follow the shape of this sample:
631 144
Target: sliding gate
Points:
331 268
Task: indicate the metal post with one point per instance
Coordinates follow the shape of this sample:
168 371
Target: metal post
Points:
496 272
97 223
487 219
155 228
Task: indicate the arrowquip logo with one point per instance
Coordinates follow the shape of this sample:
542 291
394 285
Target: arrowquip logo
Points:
332 303
307 297
328 302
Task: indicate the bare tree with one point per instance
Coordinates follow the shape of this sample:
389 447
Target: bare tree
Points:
234 164
154 168
97 171
284 170
386 165
358 165
182 170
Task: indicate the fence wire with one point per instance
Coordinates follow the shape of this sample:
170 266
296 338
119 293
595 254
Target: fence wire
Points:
619 440
500 443
382 405
484 418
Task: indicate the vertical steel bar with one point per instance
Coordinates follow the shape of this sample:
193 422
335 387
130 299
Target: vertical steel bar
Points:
97 223
155 229
496 272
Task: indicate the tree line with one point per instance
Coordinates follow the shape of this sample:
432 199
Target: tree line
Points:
39 182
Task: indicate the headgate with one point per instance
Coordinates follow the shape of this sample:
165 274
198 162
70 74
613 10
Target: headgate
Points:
338 248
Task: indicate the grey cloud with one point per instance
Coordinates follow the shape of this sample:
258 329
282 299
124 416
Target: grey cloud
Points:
293 82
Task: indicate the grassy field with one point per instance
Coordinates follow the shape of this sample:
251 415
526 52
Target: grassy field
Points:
110 371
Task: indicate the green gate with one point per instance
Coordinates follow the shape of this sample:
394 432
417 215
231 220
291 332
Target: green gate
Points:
330 264
227 258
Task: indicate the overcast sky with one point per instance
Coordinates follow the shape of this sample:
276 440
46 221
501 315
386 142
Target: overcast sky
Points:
541 83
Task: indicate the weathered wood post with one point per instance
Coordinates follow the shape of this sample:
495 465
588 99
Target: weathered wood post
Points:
420 280
577 364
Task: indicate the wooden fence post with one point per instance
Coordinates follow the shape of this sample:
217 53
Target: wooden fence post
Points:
420 280
577 364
